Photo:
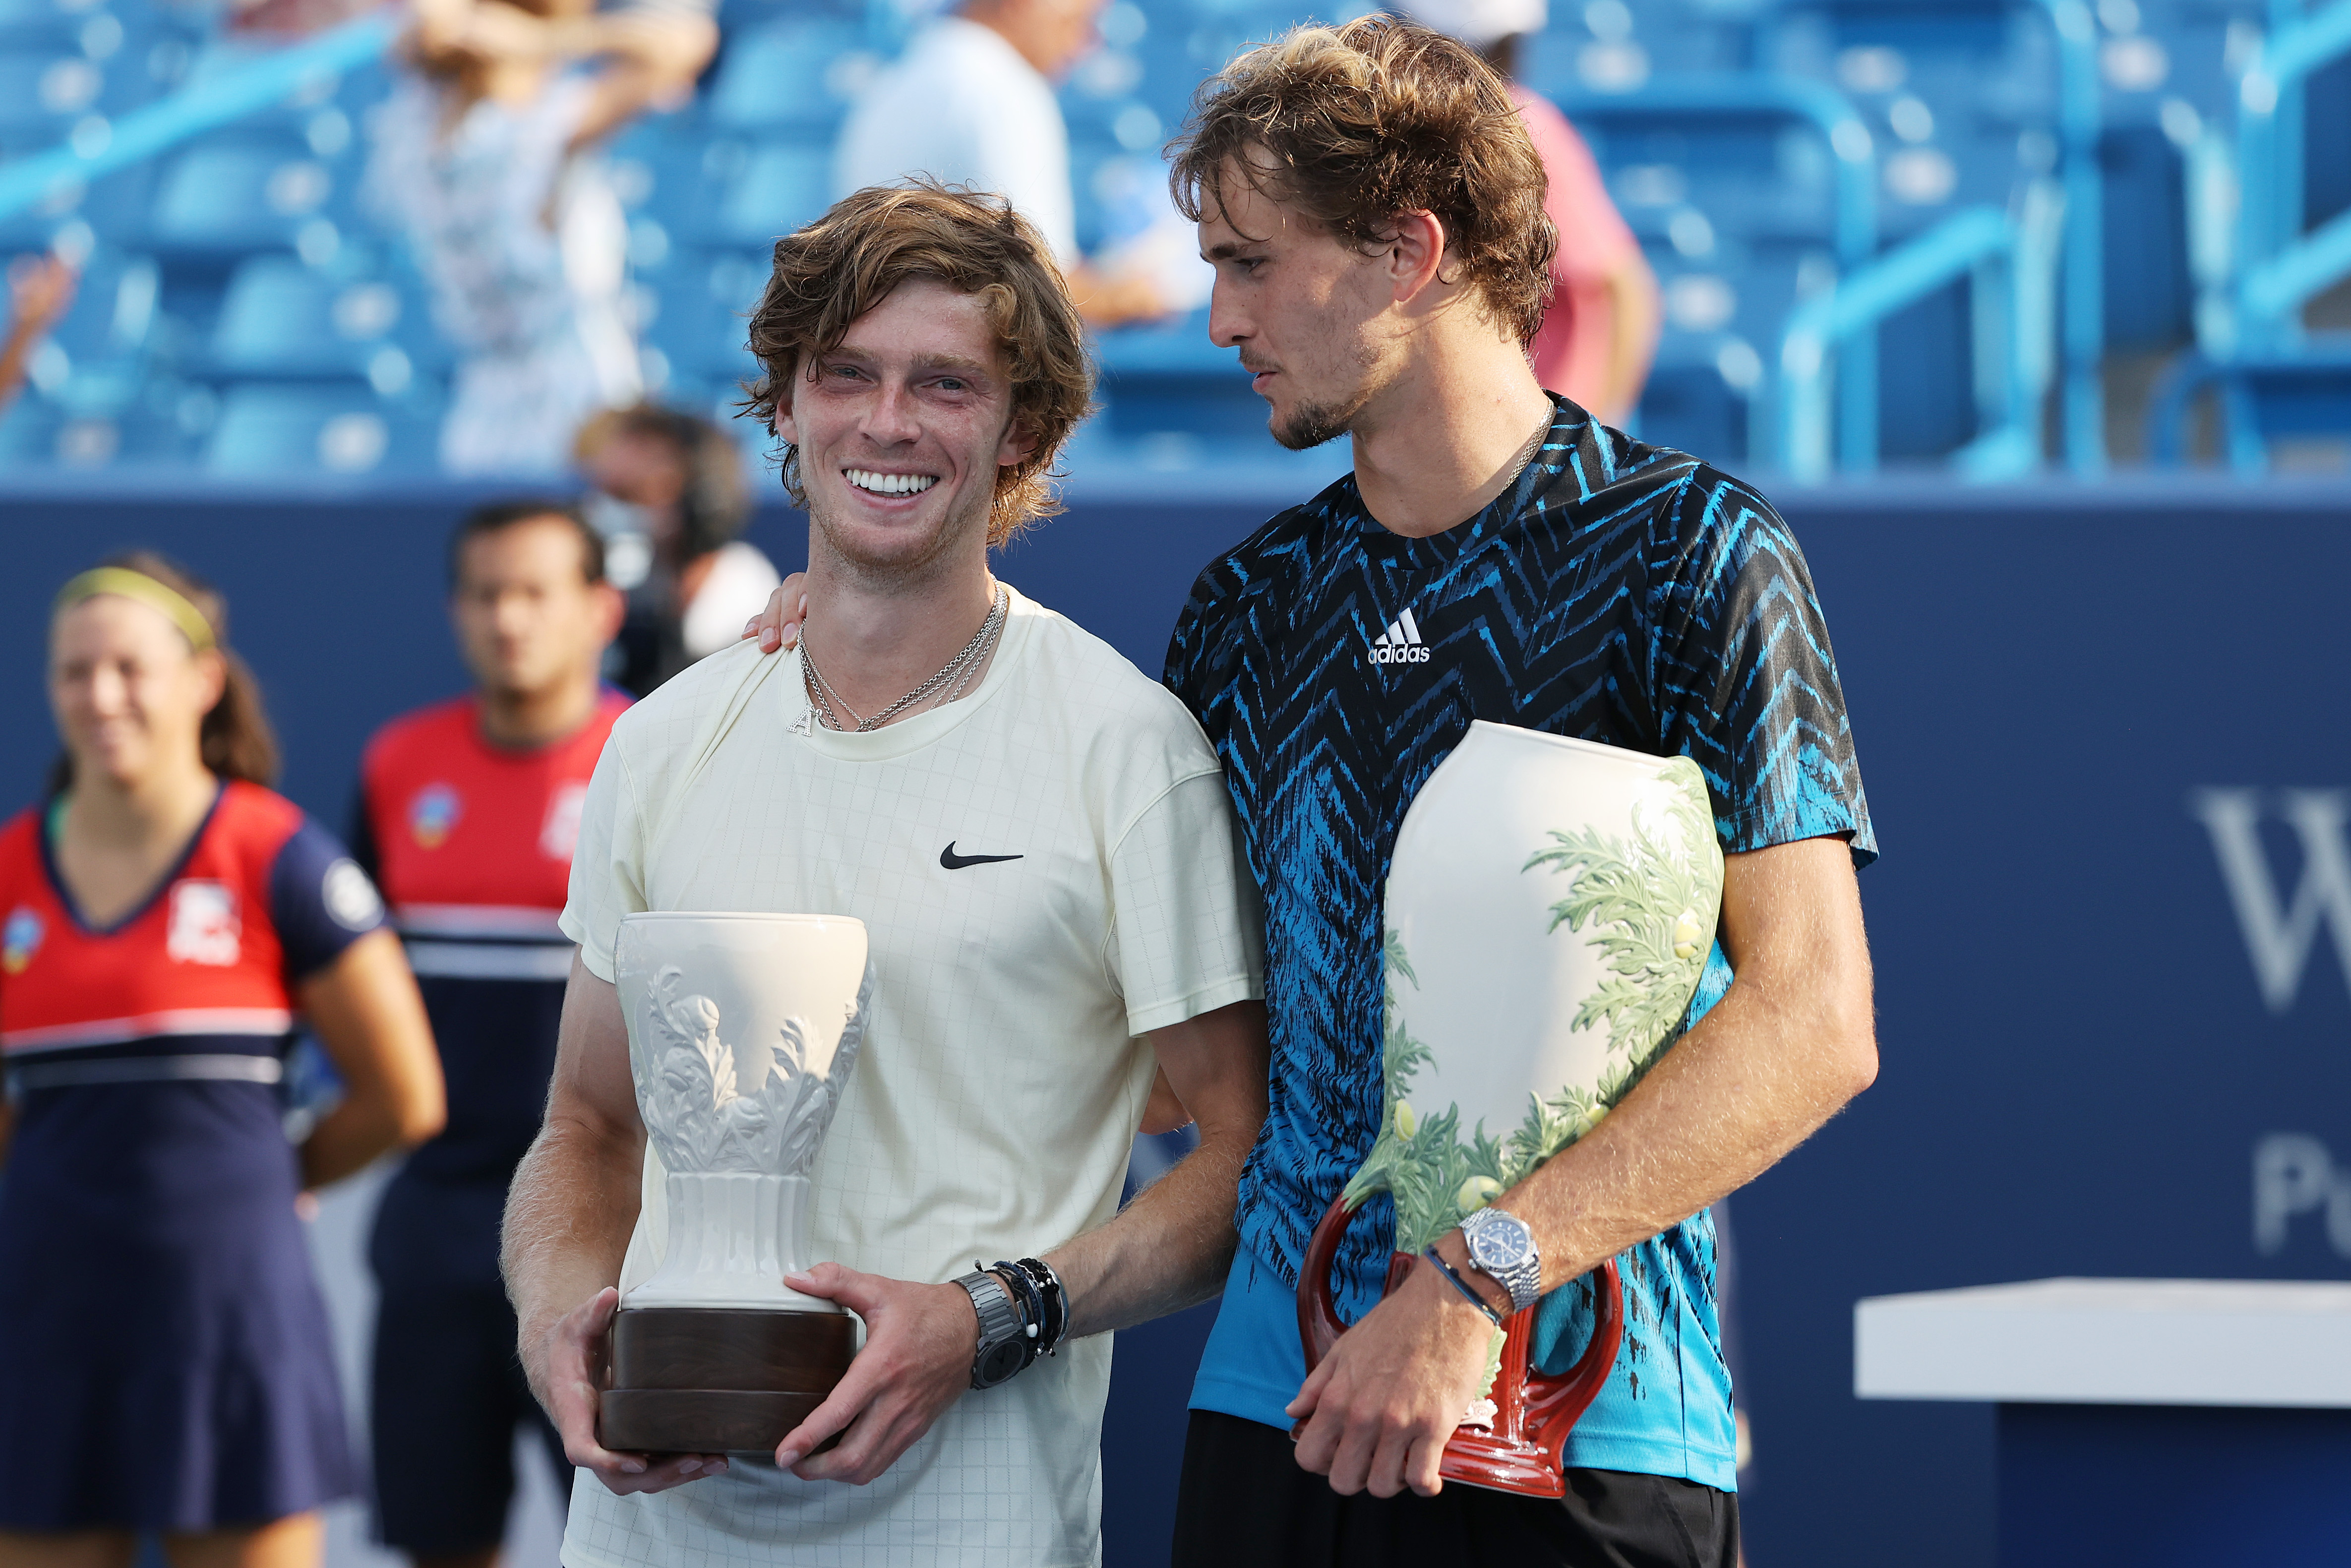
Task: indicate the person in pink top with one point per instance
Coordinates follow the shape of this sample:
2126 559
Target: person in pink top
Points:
1602 331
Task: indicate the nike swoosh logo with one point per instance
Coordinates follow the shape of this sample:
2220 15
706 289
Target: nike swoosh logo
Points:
954 862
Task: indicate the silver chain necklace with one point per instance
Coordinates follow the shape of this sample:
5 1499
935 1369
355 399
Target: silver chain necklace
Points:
947 685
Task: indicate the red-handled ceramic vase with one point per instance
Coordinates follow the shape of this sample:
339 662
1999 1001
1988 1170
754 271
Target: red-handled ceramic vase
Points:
1549 913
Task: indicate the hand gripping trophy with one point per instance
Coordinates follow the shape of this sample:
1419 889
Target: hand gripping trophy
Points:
1549 912
743 1032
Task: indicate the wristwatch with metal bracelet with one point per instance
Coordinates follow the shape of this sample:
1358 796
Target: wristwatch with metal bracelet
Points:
1503 1248
1004 1347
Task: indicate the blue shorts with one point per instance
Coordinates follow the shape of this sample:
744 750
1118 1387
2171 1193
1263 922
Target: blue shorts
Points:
448 1394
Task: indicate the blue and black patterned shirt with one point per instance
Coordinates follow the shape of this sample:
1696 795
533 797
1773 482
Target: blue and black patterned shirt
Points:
1617 592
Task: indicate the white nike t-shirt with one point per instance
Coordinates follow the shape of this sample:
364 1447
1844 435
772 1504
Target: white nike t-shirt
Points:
992 1112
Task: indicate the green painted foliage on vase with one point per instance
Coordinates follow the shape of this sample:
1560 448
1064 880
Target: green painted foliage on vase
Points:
1649 908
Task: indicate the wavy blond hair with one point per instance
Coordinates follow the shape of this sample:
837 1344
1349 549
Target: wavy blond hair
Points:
849 260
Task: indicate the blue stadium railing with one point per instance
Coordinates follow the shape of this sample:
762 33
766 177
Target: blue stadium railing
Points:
2078 126
2010 261
158 127
2281 267
2260 271
2081 123
1853 214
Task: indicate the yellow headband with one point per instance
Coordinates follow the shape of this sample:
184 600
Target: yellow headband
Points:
138 585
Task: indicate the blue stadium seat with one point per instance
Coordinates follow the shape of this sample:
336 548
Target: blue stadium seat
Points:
1734 195
2191 51
243 191
786 74
773 188
2262 400
2149 294
91 398
109 419
113 315
1618 44
1689 405
1961 95
700 310
1169 380
37 434
281 317
111 208
44 92
326 430
39 24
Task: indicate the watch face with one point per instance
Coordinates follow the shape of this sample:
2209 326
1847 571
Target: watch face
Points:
1500 1244
1000 1361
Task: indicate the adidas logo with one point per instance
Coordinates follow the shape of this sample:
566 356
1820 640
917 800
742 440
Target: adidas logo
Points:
1400 644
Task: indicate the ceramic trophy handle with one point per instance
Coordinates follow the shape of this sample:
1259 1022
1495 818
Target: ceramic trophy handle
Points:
1541 1417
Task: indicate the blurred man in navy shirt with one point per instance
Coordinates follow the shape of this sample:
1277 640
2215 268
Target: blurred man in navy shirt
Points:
469 810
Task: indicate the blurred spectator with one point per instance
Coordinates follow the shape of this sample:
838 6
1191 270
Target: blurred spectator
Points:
673 39
670 499
40 287
165 1365
468 813
1598 339
487 157
971 103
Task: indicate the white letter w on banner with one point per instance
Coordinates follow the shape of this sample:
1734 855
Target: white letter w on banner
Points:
2279 935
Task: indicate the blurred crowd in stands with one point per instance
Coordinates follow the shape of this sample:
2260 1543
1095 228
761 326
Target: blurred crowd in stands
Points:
557 209
489 157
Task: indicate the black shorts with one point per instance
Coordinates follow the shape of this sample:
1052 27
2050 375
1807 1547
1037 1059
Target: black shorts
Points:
448 1394
1244 1503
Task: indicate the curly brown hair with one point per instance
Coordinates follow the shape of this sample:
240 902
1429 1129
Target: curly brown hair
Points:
848 261
1352 125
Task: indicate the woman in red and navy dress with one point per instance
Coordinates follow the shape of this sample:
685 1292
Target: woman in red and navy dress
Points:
164 1358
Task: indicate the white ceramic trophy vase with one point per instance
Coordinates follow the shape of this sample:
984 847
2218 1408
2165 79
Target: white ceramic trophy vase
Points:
1549 912
743 1032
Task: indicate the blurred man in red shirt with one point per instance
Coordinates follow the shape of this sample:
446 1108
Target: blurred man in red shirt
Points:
469 810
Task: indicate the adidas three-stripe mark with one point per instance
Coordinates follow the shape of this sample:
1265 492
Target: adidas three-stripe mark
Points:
1400 644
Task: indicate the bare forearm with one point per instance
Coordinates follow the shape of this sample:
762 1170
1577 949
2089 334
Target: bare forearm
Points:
569 1212
349 1138
1166 1251
13 351
1750 1083
674 49
1632 335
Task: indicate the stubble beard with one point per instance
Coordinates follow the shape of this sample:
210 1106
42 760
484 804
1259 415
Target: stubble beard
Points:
899 571
1314 423
1311 424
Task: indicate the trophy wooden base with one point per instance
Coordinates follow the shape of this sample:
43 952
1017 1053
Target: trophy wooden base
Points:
715 1380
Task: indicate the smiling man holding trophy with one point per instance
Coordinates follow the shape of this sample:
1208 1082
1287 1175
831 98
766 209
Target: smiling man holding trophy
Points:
879 946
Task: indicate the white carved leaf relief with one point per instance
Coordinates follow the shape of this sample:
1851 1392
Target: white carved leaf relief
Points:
812 1107
698 1113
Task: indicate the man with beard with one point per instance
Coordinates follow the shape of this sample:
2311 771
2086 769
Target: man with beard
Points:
467 813
1040 846
1375 212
